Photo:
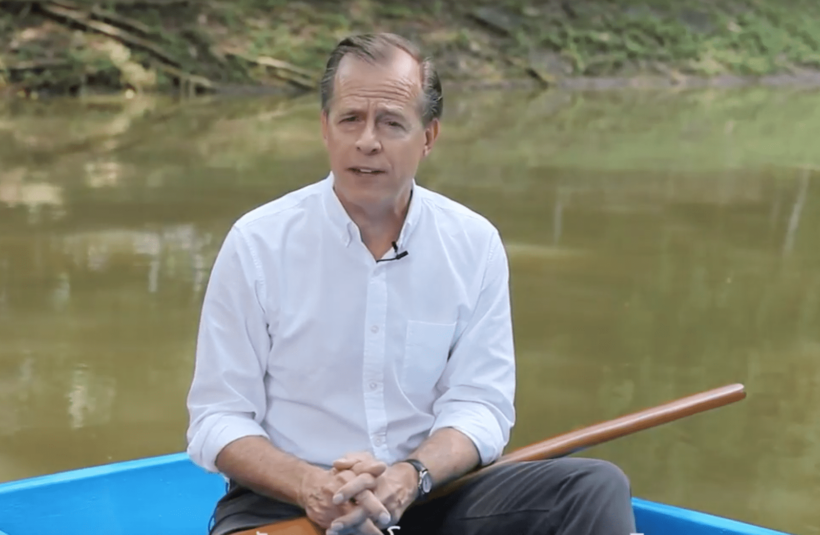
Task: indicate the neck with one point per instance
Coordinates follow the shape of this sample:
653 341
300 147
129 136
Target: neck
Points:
380 225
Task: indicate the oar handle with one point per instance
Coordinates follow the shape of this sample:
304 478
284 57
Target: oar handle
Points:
593 435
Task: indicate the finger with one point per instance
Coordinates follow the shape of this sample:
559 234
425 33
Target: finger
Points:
372 467
352 459
368 528
331 488
349 522
353 487
344 464
339 480
389 501
356 456
354 522
375 509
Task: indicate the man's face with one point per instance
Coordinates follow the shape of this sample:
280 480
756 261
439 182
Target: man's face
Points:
373 130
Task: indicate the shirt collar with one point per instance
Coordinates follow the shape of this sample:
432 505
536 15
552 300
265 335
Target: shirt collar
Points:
337 214
413 214
345 226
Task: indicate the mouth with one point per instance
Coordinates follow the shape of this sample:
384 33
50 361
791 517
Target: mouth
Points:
365 171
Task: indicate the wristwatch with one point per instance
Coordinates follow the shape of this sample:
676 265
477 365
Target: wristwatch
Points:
425 481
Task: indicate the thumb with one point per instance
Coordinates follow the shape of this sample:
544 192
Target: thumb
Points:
345 463
352 459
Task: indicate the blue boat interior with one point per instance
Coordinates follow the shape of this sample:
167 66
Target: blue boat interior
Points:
169 494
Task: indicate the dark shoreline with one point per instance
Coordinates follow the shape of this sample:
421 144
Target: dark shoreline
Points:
72 47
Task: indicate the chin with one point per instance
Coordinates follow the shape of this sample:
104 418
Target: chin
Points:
359 189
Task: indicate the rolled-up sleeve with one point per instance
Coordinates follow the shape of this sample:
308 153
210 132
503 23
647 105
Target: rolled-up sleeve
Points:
478 383
227 398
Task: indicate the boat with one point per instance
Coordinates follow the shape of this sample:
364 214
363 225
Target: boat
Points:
170 495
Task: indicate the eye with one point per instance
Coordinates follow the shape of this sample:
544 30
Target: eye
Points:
394 124
349 119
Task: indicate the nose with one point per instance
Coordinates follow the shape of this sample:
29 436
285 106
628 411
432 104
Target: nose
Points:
368 142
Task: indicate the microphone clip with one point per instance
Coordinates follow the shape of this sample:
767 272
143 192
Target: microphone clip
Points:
399 255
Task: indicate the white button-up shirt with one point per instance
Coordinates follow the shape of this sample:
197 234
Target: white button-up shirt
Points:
307 340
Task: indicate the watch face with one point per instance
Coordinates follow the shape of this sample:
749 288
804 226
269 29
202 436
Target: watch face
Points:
426 483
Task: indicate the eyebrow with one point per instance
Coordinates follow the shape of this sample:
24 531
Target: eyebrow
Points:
381 112
397 114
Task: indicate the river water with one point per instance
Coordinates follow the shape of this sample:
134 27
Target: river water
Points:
661 244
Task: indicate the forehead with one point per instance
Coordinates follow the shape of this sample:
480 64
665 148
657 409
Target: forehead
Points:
394 82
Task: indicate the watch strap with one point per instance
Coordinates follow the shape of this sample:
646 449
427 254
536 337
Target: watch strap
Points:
423 473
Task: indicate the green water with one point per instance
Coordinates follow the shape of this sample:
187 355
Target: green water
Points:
661 244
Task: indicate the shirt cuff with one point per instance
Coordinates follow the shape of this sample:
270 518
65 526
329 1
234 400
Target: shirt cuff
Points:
478 423
224 431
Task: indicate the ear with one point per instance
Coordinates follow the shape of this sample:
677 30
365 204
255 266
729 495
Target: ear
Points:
430 135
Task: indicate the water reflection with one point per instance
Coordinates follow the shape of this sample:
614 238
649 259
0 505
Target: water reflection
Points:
90 399
660 245
794 220
32 196
178 252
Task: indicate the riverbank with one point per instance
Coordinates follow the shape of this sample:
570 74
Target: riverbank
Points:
251 46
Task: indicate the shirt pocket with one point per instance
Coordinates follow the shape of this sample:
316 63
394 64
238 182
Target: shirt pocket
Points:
426 350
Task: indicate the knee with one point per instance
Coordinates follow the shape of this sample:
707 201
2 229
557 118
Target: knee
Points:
604 477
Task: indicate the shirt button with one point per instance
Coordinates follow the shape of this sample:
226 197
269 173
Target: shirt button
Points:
374 329
373 386
378 441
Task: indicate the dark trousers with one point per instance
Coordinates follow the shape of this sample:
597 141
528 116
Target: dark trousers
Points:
568 496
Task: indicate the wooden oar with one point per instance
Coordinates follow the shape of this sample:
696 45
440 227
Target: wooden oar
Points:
561 445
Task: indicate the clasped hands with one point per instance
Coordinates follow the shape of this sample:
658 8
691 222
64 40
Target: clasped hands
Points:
359 495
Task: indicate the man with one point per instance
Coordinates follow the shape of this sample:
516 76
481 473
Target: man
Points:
355 348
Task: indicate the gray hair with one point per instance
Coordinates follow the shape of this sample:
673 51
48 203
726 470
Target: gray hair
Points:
375 48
